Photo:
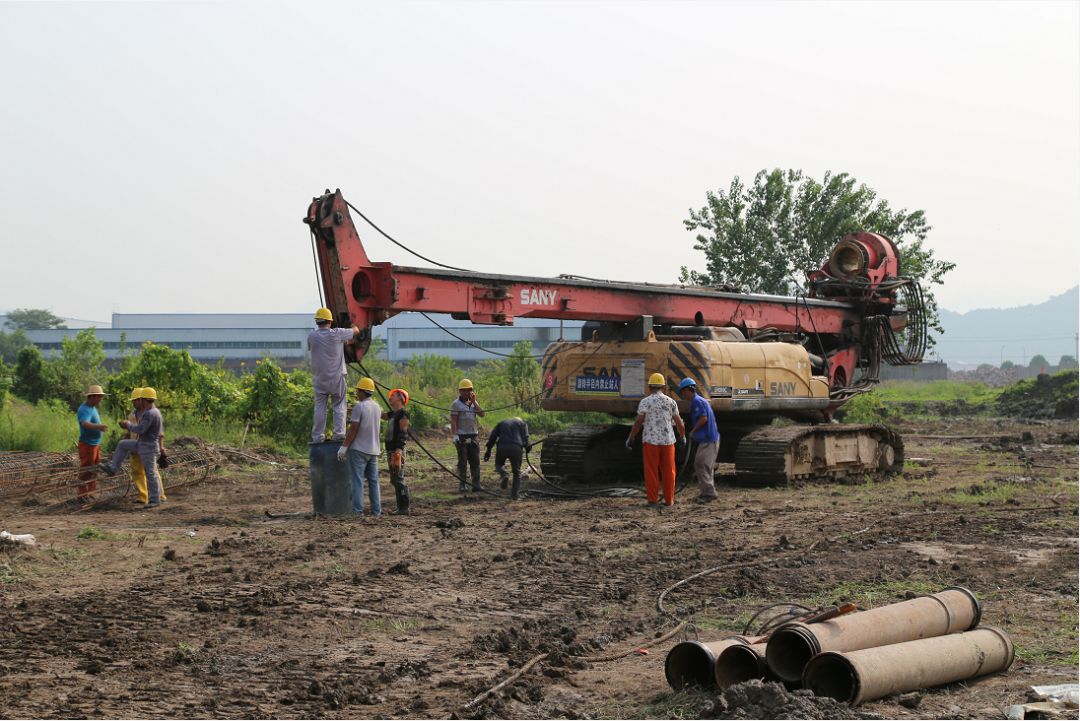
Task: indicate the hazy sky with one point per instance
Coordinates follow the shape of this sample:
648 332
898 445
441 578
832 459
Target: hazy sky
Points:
159 157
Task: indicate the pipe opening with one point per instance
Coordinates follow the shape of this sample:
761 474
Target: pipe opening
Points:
689 664
737 664
832 675
788 652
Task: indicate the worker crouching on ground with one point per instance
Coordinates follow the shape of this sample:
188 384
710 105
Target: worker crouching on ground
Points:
326 346
397 428
90 430
704 432
655 415
362 448
146 445
464 429
510 439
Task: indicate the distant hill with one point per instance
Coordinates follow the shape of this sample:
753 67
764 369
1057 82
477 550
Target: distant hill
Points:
994 334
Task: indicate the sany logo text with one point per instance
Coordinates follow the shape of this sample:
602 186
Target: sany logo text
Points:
538 296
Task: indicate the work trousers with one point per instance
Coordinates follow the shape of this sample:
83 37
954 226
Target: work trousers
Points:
148 454
509 452
659 466
364 468
138 477
468 451
88 456
705 467
396 460
335 394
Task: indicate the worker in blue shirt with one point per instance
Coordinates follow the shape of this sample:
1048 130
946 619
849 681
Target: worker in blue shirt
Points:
704 432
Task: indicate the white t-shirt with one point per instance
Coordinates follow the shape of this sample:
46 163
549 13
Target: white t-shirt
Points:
368 414
658 410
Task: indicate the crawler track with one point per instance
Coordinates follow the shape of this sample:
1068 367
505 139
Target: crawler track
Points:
774 456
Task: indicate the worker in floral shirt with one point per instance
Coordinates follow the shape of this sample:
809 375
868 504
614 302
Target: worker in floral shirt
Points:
657 413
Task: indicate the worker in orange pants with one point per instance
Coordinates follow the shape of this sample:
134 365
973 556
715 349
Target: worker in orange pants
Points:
658 420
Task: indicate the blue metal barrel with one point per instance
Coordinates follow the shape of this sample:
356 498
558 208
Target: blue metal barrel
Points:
331 487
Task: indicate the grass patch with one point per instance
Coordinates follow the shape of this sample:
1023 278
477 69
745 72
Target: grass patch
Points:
383 623
684 704
435 494
870 595
1043 656
981 494
93 533
44 427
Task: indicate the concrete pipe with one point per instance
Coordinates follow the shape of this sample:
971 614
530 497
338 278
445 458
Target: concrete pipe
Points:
793 645
691 663
743 662
857 676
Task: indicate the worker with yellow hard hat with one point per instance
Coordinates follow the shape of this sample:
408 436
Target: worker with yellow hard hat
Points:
90 431
657 414
361 447
464 429
326 347
148 431
138 473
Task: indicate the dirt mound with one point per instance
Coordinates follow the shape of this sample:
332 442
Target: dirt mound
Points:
1046 396
770 700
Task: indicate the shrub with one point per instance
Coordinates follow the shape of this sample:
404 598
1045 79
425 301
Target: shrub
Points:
32 378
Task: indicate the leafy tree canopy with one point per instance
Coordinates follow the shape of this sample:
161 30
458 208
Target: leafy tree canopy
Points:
1038 362
34 319
11 344
765 237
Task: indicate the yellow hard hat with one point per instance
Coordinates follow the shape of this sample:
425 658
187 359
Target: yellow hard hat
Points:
657 380
149 393
366 384
324 314
136 394
464 384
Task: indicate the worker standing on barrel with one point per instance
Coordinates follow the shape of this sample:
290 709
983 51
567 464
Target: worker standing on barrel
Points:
510 438
397 429
326 345
656 413
704 432
464 429
361 445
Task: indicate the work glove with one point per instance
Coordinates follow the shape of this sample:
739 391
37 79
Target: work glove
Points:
341 453
487 455
629 444
457 441
163 460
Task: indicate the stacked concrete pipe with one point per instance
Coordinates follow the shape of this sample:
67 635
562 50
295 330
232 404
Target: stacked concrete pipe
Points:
692 663
791 646
872 673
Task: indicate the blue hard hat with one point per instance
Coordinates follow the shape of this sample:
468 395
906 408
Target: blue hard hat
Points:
687 383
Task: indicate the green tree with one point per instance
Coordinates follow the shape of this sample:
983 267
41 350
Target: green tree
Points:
34 319
183 384
11 344
32 381
1067 361
79 365
765 237
1039 362
277 403
523 375
5 382
1007 365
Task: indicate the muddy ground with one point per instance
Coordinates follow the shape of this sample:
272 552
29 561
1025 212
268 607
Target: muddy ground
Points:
208 608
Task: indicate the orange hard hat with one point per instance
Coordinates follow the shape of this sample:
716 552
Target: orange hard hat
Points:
404 395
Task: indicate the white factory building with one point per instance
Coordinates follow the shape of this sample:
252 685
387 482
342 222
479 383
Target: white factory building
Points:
238 339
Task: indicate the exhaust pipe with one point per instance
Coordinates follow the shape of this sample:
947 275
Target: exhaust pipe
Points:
691 663
739 663
873 673
792 645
